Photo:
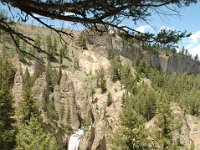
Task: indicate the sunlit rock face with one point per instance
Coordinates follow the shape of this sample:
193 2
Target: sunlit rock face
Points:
167 64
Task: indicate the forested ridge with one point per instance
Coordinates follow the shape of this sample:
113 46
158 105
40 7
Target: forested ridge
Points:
31 123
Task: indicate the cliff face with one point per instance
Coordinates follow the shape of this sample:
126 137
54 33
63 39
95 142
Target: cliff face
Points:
189 132
179 64
167 64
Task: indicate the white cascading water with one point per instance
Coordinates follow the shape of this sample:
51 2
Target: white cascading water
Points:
75 139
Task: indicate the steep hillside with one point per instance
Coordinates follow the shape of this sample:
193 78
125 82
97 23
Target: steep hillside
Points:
167 63
105 87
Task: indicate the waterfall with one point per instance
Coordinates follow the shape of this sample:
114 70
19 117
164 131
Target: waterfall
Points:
74 140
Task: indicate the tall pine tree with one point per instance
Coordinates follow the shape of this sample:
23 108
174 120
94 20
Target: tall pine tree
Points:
32 136
7 132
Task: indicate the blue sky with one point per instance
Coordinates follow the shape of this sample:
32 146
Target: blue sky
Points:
188 20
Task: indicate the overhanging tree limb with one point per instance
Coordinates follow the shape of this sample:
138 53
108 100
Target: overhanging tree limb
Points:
108 13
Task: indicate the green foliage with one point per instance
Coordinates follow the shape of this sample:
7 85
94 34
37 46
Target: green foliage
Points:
192 147
26 78
87 121
109 99
63 52
115 68
132 134
27 105
111 54
127 78
101 82
141 67
166 125
181 88
51 112
68 118
143 100
82 41
22 56
59 75
89 82
32 136
189 101
37 41
55 45
56 76
39 68
47 103
49 80
196 57
62 112
7 131
50 47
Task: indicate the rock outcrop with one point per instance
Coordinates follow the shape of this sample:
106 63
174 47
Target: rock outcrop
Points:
190 130
87 140
167 64
188 133
64 97
17 87
38 87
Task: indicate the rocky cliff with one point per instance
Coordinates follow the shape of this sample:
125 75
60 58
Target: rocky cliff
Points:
77 107
167 64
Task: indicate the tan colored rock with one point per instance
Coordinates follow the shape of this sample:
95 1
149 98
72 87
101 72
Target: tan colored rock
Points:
189 133
82 102
17 87
168 64
68 101
87 139
100 131
38 87
194 134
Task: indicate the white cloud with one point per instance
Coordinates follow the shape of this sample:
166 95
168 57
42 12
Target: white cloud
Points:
195 37
144 28
195 50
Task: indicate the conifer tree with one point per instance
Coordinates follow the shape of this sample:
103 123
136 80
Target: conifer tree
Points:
196 57
101 82
51 113
49 46
48 104
111 54
63 52
132 134
166 125
32 136
115 68
37 41
26 78
26 105
7 131
109 99
82 41
55 46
